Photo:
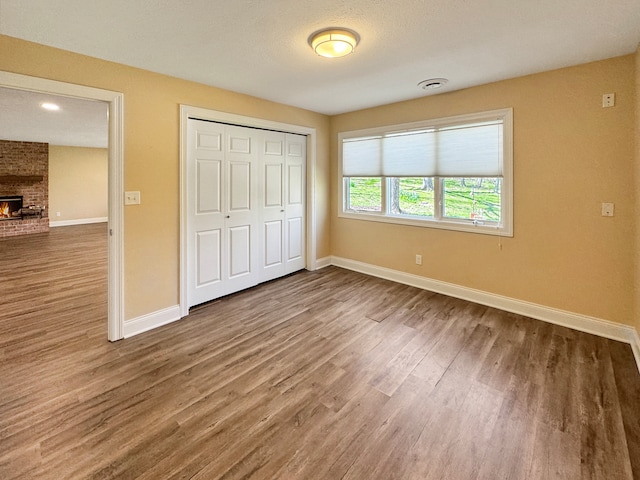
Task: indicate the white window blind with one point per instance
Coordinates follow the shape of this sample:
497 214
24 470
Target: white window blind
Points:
362 157
467 150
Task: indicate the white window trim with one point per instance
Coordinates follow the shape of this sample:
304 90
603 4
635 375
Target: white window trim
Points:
505 228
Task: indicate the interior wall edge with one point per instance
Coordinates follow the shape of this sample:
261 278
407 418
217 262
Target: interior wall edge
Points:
149 321
323 263
635 346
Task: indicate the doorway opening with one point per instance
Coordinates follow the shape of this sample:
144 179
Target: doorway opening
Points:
114 102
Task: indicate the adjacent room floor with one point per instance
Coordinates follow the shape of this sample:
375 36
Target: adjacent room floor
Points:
319 375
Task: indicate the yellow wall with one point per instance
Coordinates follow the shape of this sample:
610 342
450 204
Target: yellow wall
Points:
570 154
78 183
637 195
151 157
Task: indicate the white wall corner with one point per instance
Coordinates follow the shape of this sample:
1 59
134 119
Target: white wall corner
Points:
635 346
575 321
150 321
323 262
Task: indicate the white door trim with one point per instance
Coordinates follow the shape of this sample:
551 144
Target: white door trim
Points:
187 111
116 160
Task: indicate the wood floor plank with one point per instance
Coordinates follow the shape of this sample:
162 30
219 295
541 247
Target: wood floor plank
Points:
340 441
319 375
559 407
627 379
555 455
458 437
451 339
511 445
602 437
401 421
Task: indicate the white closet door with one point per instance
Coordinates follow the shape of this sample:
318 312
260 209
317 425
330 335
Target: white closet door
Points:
245 208
205 211
295 200
272 163
242 212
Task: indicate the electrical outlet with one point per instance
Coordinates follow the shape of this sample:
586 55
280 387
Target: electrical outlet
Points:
132 198
607 209
57 214
418 259
608 100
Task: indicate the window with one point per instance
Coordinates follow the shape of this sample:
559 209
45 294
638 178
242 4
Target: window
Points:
453 173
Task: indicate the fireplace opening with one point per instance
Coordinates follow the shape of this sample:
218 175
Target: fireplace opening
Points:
11 207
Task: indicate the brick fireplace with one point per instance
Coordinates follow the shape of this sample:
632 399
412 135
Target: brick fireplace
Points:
24 172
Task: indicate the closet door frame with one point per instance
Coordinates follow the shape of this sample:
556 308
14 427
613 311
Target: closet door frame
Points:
186 112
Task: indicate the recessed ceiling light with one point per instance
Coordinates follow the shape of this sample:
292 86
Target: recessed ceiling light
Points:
50 106
432 83
334 42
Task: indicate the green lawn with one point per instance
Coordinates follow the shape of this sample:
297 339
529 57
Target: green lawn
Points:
463 198
365 194
476 198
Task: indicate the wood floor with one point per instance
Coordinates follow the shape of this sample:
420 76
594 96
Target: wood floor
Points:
320 375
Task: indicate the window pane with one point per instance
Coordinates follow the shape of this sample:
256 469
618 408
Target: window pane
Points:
472 198
412 196
365 193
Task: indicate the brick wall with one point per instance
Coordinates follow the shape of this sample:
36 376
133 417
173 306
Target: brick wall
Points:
27 160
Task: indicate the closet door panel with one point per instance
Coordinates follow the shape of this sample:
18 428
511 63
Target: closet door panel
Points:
239 186
239 251
273 243
242 213
295 241
205 216
272 208
273 175
295 186
208 178
295 233
208 247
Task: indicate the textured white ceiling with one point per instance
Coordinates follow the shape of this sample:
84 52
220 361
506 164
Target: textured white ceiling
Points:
79 123
259 47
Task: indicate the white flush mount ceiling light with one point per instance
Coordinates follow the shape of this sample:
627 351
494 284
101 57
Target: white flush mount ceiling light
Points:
334 42
432 83
50 106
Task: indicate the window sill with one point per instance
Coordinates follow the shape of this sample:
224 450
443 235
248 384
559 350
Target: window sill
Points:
457 225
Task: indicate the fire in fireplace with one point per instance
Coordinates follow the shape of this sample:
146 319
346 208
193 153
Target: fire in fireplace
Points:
11 208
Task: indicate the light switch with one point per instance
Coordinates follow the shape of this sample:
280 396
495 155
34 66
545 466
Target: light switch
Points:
132 198
607 209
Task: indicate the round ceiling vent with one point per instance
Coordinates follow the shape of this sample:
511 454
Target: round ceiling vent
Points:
432 83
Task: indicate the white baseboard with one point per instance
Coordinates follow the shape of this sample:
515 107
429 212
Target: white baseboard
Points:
635 346
151 320
79 221
583 323
323 262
